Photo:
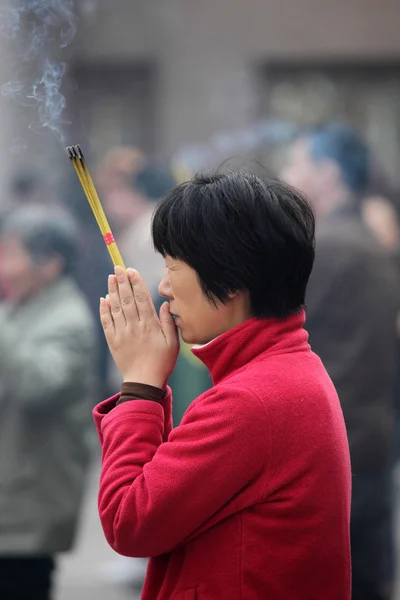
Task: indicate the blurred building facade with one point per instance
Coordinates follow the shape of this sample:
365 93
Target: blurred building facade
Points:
168 73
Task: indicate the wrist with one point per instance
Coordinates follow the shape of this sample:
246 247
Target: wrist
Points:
145 379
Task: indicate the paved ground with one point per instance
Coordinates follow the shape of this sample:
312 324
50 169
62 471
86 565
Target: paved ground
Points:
81 574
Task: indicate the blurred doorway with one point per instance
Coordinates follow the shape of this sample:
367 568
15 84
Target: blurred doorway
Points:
365 95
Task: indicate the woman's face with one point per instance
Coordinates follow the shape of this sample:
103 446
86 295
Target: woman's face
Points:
198 320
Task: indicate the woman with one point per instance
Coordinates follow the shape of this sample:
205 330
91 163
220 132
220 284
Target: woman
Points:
47 357
249 497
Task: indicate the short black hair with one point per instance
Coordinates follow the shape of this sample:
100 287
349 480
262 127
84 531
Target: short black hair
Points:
241 232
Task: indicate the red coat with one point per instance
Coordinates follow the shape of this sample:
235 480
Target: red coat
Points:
249 498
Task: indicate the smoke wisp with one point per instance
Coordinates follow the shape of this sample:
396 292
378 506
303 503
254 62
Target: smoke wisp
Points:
35 30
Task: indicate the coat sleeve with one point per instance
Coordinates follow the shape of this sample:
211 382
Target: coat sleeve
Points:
154 496
102 409
37 371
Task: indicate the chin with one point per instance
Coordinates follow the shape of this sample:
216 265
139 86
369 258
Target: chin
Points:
188 339
193 340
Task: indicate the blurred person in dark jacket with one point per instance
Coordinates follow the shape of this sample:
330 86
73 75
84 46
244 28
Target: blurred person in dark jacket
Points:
352 305
381 216
46 359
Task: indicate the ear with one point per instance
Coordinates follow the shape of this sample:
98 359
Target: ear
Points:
233 295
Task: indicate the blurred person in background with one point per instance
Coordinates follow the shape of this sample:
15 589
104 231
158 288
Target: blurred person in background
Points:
47 389
382 219
380 210
352 304
116 170
27 188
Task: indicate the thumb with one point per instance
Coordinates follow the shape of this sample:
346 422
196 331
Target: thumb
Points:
168 325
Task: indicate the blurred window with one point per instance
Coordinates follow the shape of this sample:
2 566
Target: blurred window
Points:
366 96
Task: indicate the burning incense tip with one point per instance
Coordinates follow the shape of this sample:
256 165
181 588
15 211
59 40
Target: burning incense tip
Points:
79 152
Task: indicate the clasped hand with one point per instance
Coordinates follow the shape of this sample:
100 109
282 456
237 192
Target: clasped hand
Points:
144 346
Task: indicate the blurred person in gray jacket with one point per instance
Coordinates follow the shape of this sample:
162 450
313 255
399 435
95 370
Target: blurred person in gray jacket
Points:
352 306
47 355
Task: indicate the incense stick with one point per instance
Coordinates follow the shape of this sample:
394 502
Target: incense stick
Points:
82 171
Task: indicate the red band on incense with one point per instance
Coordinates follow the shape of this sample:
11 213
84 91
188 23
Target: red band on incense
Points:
109 238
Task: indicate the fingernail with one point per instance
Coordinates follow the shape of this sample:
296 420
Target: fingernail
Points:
131 273
120 274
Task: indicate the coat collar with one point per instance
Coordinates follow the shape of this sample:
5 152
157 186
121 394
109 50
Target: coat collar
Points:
252 338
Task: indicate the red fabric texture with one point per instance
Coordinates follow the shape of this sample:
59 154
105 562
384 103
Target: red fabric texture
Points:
249 498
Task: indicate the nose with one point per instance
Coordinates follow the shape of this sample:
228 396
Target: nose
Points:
164 289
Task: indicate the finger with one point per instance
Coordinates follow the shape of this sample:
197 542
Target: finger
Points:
168 326
115 302
144 304
106 320
126 295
